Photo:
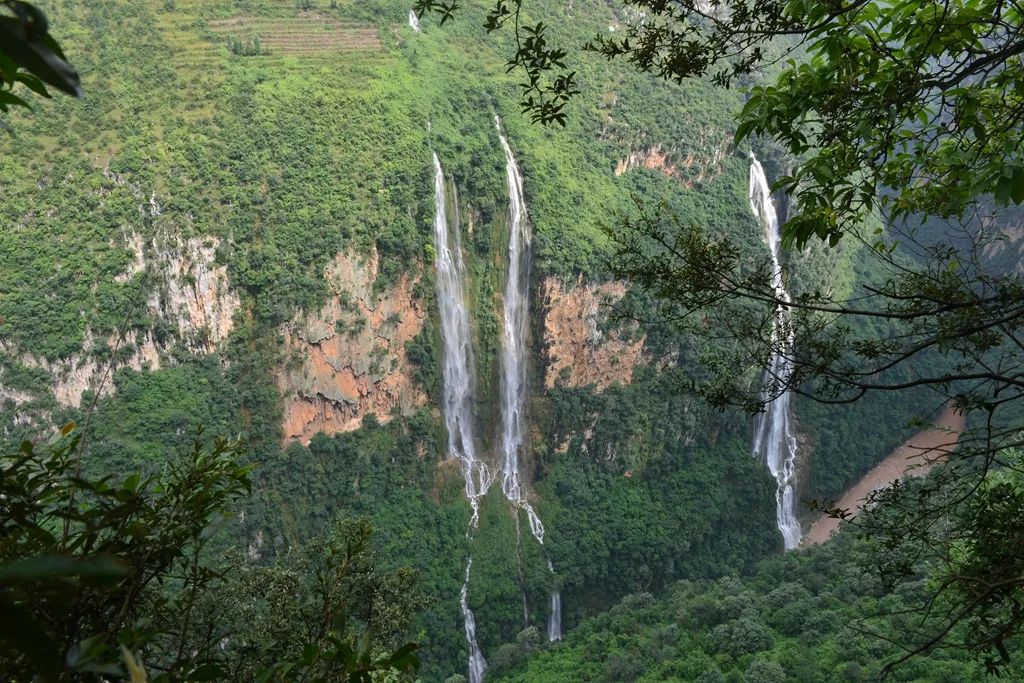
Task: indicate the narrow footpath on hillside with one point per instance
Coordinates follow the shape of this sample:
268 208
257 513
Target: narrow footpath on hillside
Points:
914 458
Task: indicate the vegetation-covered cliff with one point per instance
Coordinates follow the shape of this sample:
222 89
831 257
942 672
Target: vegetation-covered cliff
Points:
232 229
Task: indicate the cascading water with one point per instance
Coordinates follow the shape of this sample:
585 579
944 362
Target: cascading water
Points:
555 618
458 387
774 440
513 349
458 379
513 363
414 21
477 665
458 353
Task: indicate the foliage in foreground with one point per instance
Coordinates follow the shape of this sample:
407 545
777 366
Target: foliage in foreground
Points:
30 56
101 578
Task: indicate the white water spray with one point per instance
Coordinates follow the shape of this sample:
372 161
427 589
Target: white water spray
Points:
457 404
774 440
513 348
414 21
477 665
458 353
555 618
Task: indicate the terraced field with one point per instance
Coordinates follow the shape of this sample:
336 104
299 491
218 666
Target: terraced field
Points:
307 34
197 35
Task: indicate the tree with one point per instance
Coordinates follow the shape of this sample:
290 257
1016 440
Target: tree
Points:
901 126
903 116
110 579
914 106
764 671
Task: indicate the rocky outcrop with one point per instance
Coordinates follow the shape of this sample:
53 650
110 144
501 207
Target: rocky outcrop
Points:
689 168
187 290
71 377
348 360
653 158
579 351
190 290
1002 241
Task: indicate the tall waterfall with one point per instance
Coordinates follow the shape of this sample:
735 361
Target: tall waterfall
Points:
457 404
458 353
414 21
513 348
774 440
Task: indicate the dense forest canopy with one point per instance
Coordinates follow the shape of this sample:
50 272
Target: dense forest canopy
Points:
889 114
237 228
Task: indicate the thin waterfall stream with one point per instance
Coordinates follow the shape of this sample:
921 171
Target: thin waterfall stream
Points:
513 347
555 617
477 664
774 440
513 362
457 368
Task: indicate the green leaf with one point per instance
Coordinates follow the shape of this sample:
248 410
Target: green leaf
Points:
743 130
32 83
38 56
132 482
404 658
19 628
1002 191
1017 186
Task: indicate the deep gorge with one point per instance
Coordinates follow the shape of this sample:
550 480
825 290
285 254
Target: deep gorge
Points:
355 252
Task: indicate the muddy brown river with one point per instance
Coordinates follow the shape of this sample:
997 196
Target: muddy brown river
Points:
920 452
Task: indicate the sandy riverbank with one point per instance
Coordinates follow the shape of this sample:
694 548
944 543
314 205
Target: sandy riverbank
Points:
920 452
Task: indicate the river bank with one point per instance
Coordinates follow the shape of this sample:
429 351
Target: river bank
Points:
913 458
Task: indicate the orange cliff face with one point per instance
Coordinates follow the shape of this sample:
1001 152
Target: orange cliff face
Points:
578 352
348 359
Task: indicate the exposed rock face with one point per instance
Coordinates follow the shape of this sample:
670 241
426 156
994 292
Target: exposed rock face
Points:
653 158
188 290
579 353
1004 242
191 290
348 359
689 169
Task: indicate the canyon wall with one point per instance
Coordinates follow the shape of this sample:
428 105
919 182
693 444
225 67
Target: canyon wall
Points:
182 285
580 347
348 359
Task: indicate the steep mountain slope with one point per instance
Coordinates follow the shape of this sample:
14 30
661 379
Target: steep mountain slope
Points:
233 230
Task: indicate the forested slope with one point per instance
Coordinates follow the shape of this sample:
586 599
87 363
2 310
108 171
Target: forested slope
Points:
812 616
246 183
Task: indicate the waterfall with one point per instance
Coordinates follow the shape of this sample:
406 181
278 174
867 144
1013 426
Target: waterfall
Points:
457 400
774 440
457 367
477 665
458 354
414 21
555 618
513 348
513 363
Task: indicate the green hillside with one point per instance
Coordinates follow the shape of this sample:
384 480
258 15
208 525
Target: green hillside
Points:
811 617
261 140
